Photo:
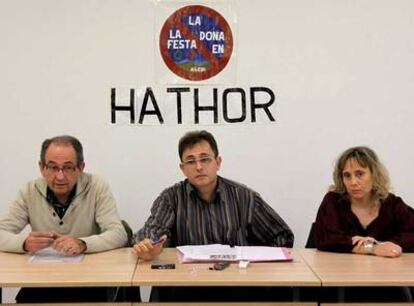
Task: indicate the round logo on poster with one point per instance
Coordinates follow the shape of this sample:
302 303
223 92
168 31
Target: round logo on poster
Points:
196 42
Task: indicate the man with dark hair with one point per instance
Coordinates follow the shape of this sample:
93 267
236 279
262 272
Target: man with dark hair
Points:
67 209
207 209
192 138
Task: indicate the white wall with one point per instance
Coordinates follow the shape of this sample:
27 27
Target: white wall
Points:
342 72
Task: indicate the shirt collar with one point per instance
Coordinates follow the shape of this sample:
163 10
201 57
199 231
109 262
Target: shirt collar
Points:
52 199
192 191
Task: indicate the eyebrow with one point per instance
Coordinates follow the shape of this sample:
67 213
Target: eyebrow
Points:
194 156
65 163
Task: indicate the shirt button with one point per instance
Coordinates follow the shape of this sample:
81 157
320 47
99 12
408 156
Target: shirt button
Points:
61 223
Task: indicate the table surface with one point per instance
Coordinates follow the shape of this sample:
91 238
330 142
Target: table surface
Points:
111 268
119 268
339 269
293 273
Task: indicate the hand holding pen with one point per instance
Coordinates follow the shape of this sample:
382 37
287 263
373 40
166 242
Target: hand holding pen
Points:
65 244
36 241
148 249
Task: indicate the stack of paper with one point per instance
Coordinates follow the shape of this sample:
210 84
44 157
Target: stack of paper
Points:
220 252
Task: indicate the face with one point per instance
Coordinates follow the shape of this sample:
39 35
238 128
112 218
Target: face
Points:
60 169
357 180
200 166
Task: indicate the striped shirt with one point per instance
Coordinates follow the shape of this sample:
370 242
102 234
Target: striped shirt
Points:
237 216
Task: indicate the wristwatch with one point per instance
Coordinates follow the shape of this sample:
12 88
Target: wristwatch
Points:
369 247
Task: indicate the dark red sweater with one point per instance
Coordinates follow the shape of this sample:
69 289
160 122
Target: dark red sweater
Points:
336 224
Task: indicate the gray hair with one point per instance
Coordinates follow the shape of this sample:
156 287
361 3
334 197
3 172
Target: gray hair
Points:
65 140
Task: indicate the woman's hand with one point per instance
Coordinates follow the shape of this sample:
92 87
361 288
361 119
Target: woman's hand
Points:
384 249
387 249
358 242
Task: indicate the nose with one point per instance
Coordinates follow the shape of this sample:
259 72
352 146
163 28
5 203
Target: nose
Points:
354 180
199 165
60 175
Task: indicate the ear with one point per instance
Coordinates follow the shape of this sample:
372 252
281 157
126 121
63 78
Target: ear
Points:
182 167
81 167
219 160
41 166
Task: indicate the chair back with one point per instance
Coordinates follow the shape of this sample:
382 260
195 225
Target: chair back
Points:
310 243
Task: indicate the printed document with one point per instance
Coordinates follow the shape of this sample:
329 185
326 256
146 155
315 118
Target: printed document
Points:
220 252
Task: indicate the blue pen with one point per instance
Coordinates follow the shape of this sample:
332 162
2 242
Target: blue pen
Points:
156 242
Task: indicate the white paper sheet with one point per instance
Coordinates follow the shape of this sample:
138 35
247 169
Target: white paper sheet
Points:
51 255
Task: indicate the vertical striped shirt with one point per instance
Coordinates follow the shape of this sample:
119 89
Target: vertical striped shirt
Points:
236 216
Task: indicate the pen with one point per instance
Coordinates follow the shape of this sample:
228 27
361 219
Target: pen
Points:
156 242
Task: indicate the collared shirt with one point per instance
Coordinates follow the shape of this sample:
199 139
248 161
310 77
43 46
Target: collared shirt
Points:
236 216
60 208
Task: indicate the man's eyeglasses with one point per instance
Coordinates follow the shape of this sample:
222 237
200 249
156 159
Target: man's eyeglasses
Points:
203 161
66 169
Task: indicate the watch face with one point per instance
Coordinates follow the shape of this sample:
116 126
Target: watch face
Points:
369 247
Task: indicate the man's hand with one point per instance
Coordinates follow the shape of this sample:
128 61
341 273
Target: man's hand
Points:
69 245
38 240
147 250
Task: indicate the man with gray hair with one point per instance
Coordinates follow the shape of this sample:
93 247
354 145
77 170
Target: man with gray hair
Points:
67 209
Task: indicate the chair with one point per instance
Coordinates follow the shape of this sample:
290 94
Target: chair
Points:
128 230
310 243
126 294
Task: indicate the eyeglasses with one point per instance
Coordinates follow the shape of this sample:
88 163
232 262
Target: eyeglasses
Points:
66 169
193 162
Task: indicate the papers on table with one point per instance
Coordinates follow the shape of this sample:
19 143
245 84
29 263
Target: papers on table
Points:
51 255
220 252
